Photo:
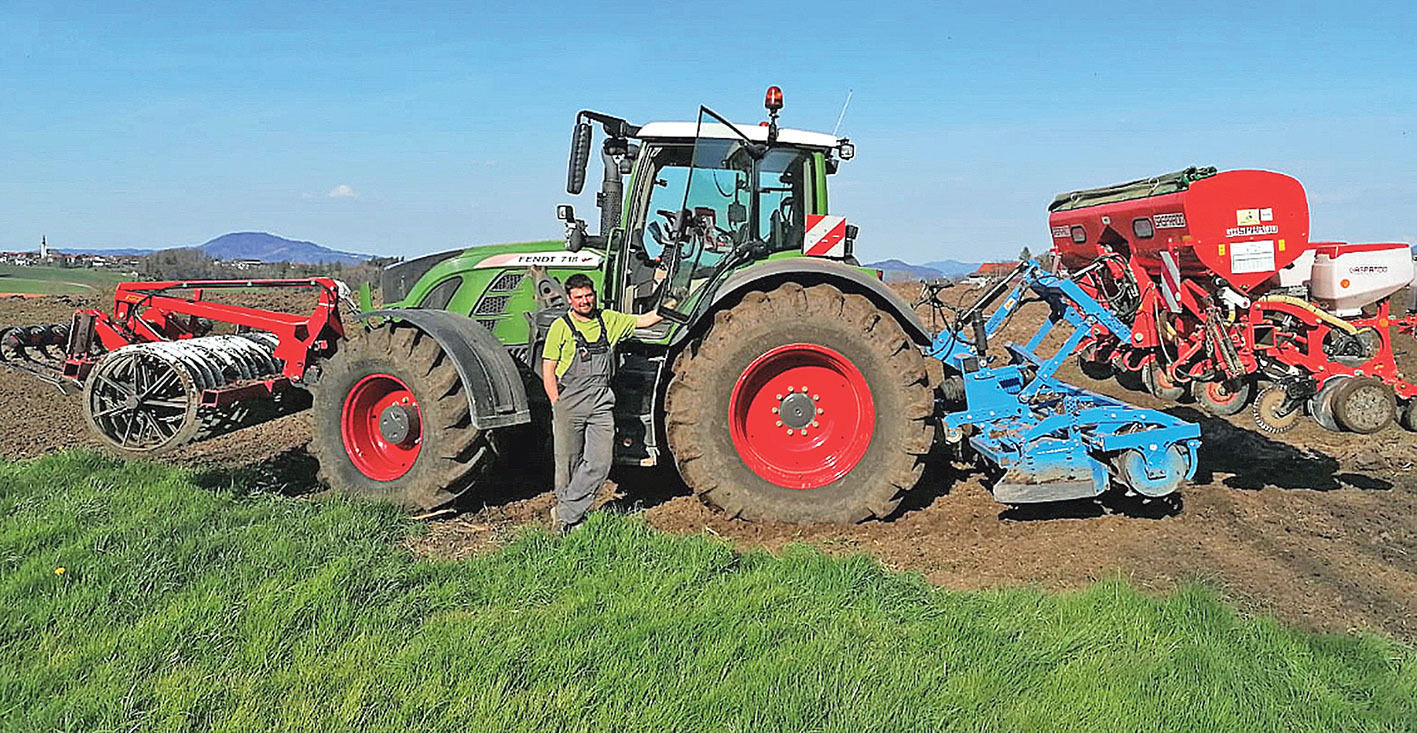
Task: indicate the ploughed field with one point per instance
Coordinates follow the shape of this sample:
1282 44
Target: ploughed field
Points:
1318 529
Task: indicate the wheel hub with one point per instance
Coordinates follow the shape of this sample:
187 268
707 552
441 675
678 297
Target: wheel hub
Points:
380 427
801 416
797 410
398 424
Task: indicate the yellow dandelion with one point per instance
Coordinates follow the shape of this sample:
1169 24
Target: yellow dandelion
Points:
58 571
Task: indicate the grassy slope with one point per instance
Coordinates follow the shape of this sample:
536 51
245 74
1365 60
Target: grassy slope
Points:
189 606
57 280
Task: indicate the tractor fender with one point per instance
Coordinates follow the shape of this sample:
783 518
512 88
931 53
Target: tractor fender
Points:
496 394
770 274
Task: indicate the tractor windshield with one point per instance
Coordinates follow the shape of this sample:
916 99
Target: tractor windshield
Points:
730 193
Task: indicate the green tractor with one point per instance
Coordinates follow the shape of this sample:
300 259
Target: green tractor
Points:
785 383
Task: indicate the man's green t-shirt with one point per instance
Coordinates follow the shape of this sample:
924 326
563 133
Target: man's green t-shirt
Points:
561 345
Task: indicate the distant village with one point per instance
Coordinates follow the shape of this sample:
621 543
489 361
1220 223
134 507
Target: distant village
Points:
46 257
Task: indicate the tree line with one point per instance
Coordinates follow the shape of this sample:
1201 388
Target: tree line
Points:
193 264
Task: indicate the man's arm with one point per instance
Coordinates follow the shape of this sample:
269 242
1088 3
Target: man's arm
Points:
548 380
645 320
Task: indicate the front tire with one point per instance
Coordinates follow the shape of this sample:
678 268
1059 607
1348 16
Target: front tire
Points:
737 407
391 421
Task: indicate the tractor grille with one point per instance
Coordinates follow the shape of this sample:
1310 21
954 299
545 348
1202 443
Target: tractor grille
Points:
507 282
492 305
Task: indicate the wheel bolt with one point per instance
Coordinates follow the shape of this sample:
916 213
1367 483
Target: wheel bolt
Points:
779 397
789 431
774 410
789 390
779 423
814 424
816 397
804 389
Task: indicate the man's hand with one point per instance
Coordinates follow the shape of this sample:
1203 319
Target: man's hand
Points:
548 380
645 320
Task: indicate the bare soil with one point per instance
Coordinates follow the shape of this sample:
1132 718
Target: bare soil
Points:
1318 529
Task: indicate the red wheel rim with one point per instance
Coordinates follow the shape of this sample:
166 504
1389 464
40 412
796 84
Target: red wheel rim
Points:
769 412
1219 394
368 449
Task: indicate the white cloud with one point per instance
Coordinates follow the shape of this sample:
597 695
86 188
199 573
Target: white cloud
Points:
343 191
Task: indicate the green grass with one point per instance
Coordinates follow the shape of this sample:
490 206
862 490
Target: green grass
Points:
188 602
58 280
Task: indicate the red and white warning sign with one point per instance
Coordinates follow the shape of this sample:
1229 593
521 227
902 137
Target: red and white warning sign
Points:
1170 282
826 236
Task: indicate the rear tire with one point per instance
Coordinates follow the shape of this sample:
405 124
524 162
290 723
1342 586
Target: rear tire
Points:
868 408
1364 405
437 462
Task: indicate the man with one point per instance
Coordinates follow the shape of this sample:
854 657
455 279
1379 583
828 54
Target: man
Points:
575 371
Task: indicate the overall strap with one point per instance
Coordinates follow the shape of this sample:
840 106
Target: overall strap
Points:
581 341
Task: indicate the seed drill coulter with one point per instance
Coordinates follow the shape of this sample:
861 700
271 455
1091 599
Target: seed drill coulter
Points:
787 382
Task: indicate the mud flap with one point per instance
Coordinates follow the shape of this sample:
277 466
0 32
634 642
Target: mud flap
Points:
495 392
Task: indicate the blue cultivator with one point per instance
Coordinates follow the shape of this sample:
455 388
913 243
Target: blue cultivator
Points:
1045 439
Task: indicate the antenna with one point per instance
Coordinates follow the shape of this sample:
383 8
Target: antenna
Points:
843 112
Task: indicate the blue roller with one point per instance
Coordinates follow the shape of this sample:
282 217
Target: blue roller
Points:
1046 439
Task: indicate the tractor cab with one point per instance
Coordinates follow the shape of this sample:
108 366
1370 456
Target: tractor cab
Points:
704 198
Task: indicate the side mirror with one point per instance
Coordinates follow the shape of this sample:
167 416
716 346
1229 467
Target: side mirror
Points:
566 213
737 213
580 156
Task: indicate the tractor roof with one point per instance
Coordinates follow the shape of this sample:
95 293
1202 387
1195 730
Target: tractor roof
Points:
757 133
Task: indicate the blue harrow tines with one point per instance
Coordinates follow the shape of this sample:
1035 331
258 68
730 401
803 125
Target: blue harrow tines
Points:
1048 440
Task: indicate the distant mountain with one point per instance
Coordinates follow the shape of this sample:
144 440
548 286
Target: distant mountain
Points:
953 268
271 248
125 252
896 270
246 246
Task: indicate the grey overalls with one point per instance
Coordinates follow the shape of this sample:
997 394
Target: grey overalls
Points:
583 425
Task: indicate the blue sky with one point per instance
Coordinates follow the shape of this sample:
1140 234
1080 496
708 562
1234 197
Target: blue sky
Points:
404 129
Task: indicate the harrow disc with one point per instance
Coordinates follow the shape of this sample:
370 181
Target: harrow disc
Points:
38 350
146 398
1321 404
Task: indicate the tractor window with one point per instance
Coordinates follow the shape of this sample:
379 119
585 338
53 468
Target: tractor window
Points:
783 207
722 190
719 182
441 294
